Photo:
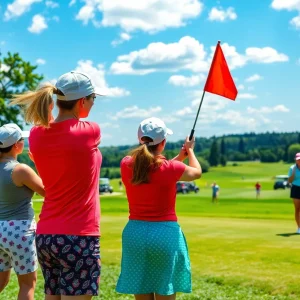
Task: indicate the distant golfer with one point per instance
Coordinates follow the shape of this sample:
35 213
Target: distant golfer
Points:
155 259
18 182
257 189
294 179
215 192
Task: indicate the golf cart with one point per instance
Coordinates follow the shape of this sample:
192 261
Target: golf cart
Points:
281 182
104 186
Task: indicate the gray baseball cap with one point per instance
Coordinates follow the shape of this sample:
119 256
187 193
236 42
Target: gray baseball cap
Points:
10 134
75 85
155 129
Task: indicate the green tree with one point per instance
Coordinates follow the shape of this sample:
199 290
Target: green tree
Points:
223 160
204 164
241 147
298 138
293 149
214 155
223 146
16 76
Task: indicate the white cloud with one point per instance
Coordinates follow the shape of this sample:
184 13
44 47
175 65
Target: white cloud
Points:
97 74
246 96
233 58
136 112
265 55
40 61
51 4
72 2
240 87
123 37
286 4
222 15
210 102
268 109
180 80
254 77
187 54
38 24
147 15
252 55
296 22
18 8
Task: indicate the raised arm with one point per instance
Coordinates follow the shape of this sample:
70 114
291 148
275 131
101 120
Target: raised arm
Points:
193 170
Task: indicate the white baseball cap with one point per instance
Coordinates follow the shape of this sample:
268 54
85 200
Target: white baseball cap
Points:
155 129
75 85
10 134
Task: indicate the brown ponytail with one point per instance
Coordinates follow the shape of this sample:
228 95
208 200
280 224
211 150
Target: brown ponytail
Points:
144 161
37 104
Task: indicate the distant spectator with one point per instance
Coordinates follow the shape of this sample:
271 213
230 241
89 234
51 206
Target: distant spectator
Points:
215 192
257 188
294 179
120 185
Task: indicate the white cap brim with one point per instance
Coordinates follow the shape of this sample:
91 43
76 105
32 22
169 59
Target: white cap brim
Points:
25 134
169 131
99 92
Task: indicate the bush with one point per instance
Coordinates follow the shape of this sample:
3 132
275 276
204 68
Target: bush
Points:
293 149
204 164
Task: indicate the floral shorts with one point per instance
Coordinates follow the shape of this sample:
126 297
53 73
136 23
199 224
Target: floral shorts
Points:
70 263
17 246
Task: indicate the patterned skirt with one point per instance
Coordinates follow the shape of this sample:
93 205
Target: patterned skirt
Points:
155 259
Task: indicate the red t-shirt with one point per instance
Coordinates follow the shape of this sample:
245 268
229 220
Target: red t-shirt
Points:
154 201
258 186
68 160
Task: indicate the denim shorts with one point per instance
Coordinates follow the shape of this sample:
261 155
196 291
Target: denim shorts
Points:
70 264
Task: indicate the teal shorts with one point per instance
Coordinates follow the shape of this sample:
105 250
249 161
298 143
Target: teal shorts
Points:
155 259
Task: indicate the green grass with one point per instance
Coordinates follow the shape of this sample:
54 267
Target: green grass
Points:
242 248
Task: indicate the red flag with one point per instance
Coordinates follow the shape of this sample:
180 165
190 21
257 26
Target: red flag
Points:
219 80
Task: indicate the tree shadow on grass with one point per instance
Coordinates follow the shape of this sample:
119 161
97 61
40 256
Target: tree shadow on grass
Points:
287 234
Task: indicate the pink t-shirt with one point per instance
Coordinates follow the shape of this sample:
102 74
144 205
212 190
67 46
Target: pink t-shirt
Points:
154 201
68 160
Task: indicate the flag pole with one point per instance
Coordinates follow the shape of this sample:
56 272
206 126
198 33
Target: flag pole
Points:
193 130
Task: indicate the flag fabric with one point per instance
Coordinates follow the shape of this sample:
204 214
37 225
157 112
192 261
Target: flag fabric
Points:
219 80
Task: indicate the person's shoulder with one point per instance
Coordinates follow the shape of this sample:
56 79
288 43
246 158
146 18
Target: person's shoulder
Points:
22 169
88 124
127 160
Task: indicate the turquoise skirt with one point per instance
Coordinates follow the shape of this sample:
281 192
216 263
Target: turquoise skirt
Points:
155 259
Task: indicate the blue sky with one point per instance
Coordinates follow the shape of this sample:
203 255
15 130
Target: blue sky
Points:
151 58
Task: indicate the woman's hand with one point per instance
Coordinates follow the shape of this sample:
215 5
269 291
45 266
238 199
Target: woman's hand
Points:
182 153
189 144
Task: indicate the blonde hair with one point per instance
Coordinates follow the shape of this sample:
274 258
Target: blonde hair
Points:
37 104
144 161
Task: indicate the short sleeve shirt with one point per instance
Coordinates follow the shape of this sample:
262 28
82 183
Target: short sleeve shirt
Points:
297 175
68 160
153 201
